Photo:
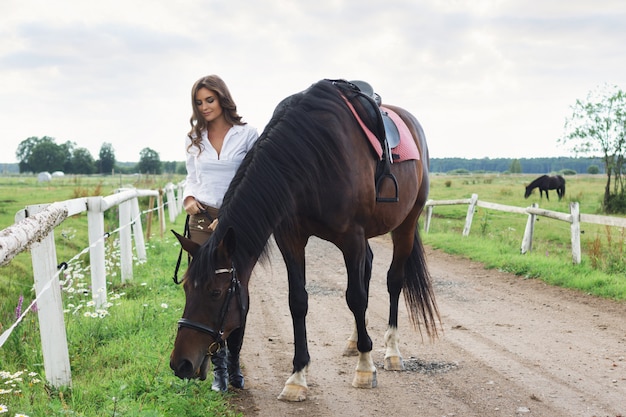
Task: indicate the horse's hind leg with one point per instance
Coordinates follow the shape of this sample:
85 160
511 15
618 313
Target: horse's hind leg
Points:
350 348
358 257
402 245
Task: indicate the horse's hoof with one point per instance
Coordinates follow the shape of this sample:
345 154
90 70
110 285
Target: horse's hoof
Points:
350 349
364 380
394 363
293 393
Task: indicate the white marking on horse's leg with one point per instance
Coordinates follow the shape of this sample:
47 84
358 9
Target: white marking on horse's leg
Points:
295 388
365 375
350 348
393 358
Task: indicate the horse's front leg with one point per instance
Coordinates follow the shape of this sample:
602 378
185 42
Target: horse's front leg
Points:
296 386
358 258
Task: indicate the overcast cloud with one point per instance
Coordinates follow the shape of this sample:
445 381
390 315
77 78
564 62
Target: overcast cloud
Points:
486 78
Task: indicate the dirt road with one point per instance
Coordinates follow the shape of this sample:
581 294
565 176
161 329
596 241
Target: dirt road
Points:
510 346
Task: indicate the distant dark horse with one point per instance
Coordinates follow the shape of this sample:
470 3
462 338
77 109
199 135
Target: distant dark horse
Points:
311 173
545 183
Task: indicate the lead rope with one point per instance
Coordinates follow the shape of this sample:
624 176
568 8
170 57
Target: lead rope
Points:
180 254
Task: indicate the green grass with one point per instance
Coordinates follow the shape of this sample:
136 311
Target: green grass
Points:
119 355
495 237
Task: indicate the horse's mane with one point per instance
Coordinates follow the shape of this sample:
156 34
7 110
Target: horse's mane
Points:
296 154
538 180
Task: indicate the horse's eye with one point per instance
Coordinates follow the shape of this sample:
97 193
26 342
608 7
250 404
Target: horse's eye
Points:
215 293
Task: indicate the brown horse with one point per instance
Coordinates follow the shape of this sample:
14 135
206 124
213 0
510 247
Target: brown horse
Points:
311 173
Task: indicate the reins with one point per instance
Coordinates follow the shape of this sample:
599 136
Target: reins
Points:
180 253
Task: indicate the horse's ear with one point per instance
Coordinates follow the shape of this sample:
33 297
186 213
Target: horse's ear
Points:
189 245
223 253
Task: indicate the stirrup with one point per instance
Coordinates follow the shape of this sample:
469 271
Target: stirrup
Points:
380 199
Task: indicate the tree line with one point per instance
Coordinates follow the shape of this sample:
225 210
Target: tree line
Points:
518 166
39 154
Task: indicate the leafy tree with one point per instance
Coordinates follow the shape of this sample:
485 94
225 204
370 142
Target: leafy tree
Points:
43 154
49 156
149 162
25 151
593 169
106 163
169 167
597 127
516 167
82 162
68 150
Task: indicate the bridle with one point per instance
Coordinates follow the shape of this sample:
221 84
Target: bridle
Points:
233 289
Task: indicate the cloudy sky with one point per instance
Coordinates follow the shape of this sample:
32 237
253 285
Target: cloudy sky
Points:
486 78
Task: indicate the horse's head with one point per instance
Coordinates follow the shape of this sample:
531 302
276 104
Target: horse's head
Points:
216 304
528 191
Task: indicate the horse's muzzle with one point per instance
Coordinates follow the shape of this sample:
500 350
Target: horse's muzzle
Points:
184 369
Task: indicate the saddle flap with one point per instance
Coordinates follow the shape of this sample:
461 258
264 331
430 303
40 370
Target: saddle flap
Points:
391 131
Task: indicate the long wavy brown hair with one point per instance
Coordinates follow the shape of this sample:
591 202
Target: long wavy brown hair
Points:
197 122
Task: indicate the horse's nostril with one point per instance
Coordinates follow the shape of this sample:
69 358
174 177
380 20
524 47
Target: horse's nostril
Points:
184 369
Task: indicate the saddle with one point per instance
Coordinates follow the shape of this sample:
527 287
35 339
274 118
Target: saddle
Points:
365 103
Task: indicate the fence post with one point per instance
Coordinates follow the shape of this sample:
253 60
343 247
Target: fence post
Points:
56 359
470 214
140 245
429 215
126 246
149 218
161 213
95 223
527 241
171 202
181 191
574 209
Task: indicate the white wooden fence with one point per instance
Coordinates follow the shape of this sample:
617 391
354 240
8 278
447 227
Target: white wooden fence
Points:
574 218
34 228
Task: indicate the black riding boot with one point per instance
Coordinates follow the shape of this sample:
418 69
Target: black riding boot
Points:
220 371
234 372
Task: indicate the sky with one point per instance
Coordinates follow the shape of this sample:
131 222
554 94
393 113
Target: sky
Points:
486 78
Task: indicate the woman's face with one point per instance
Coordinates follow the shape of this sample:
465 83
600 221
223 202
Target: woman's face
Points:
208 104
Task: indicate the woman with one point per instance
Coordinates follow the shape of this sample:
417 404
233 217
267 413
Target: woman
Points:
216 145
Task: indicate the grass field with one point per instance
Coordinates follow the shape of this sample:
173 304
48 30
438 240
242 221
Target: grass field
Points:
119 355
495 238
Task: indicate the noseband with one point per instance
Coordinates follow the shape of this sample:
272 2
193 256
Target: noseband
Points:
234 289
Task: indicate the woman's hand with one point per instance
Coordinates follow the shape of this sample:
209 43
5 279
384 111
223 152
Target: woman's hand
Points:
192 206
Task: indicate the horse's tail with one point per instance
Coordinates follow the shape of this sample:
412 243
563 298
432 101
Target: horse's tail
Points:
418 290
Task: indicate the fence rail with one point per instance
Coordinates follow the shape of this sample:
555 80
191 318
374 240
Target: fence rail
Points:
574 218
34 229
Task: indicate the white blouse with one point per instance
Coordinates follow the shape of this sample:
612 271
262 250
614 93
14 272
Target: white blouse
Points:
209 175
